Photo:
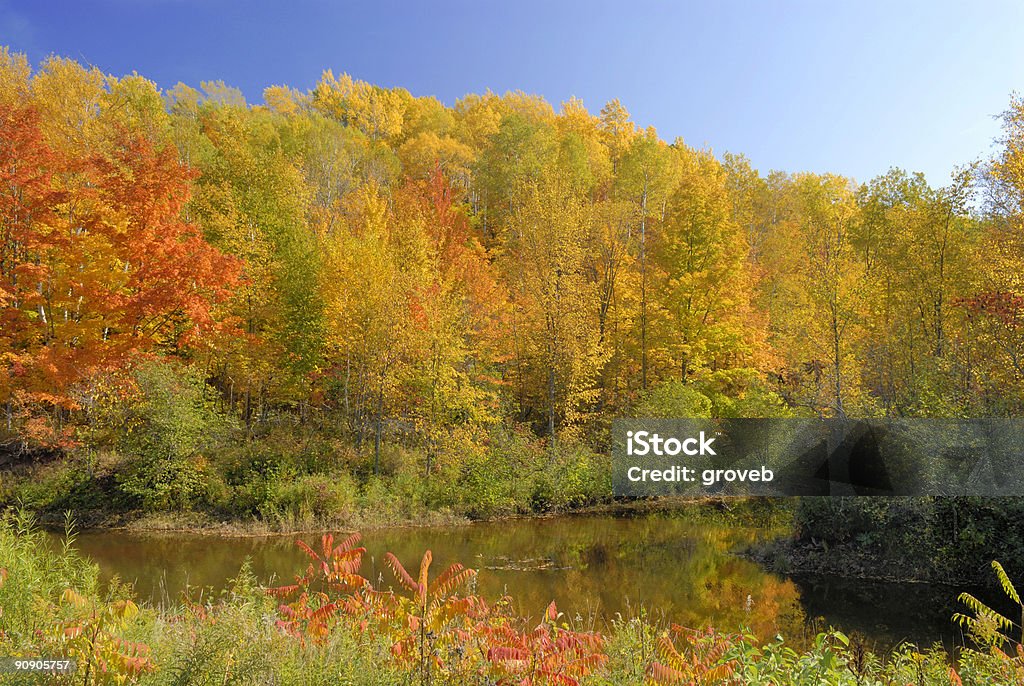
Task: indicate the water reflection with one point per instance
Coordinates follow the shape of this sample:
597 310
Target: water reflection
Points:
594 567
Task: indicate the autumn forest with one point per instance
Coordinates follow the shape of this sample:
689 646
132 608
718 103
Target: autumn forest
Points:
354 308
426 284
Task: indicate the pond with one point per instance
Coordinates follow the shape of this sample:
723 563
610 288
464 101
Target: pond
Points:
594 567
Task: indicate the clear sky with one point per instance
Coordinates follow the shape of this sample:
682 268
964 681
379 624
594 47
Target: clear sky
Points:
848 87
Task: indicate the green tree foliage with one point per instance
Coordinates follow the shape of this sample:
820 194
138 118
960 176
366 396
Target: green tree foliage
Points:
168 427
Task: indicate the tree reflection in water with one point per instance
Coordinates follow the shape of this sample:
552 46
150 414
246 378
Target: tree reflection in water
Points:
594 567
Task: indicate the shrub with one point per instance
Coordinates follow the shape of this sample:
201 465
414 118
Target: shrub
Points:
312 498
50 605
672 399
940 538
169 427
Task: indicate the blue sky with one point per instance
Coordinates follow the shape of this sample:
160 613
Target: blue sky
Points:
849 87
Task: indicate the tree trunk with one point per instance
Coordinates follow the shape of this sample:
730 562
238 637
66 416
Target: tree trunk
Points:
380 423
551 404
643 290
837 364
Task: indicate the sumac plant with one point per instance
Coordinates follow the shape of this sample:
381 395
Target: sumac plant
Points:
437 628
90 631
431 623
692 656
548 654
317 595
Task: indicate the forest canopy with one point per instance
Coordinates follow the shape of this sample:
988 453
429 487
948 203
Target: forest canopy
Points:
396 269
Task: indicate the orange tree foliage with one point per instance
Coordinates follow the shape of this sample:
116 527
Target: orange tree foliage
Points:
96 264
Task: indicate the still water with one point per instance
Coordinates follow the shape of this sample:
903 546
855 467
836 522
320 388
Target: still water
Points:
594 567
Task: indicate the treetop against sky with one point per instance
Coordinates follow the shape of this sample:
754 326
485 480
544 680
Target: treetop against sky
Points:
851 88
